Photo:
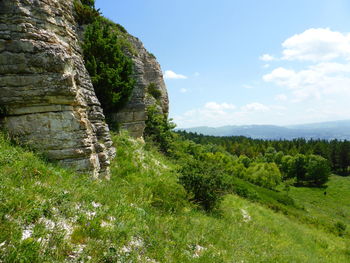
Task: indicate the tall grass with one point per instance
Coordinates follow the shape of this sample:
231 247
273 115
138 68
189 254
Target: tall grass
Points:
49 214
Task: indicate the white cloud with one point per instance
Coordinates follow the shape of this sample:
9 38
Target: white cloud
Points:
169 74
255 106
219 107
183 90
219 114
267 58
317 44
316 81
281 97
247 87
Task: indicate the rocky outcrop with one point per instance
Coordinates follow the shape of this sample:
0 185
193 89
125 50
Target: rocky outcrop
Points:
46 96
149 90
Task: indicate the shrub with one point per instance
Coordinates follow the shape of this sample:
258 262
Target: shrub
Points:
264 174
159 129
340 228
110 69
205 181
154 91
244 160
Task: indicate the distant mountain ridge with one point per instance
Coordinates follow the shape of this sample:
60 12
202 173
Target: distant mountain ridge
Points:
324 130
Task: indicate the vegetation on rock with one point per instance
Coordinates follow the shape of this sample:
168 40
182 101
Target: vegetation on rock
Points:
105 46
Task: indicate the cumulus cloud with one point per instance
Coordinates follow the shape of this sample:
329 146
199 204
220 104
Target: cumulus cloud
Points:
169 74
267 57
255 106
317 44
219 107
316 81
219 114
281 97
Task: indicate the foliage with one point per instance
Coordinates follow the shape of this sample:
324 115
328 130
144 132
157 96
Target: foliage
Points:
159 129
85 12
337 152
204 181
110 69
317 171
264 174
73 218
154 91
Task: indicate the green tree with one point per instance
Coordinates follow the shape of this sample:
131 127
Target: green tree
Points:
264 174
317 171
110 69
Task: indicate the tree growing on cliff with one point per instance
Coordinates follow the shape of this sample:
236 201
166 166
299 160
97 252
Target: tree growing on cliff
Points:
110 69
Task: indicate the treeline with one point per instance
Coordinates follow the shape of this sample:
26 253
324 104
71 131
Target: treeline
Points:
335 151
208 168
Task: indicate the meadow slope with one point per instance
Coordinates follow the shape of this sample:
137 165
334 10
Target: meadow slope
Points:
49 214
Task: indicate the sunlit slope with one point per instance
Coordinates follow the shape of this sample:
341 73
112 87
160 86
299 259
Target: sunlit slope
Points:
48 214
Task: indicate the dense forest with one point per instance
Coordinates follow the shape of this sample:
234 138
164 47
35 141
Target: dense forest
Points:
337 152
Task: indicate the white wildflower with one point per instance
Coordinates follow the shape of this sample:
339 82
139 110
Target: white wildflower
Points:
90 214
96 205
111 218
49 224
76 253
28 232
136 242
63 224
198 251
2 244
125 250
106 224
246 216
77 206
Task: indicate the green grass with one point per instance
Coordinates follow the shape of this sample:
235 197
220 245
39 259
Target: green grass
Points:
328 209
49 214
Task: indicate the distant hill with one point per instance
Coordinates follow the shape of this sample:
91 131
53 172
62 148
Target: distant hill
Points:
325 130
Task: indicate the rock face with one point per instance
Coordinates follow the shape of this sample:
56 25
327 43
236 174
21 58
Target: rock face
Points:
46 97
149 90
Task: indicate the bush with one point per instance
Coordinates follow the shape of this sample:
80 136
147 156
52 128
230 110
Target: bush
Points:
154 91
159 130
110 69
340 228
264 174
204 181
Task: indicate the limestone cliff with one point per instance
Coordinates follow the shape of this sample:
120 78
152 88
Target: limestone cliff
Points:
149 90
46 97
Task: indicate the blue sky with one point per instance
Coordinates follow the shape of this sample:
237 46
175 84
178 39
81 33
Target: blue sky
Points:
230 62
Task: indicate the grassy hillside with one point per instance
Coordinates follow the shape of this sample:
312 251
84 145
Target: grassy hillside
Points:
48 214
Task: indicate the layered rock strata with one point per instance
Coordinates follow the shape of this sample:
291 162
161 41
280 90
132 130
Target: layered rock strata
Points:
47 100
148 74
